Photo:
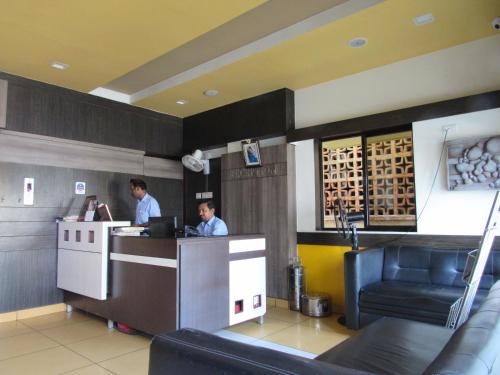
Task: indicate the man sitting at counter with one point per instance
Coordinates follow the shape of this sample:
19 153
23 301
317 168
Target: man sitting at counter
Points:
147 206
210 224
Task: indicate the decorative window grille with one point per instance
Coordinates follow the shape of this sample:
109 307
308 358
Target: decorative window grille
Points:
391 186
342 176
384 187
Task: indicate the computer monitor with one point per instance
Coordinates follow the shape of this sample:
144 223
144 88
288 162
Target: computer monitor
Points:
88 208
104 214
163 226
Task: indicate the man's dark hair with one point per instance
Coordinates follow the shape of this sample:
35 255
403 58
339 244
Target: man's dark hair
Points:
137 182
210 204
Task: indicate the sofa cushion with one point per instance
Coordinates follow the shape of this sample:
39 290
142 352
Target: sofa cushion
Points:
391 346
475 347
425 265
436 298
426 302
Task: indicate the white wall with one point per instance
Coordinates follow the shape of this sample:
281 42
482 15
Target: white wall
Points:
450 212
467 69
305 186
463 70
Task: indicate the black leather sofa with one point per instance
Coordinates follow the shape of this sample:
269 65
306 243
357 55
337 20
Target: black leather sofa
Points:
408 282
388 346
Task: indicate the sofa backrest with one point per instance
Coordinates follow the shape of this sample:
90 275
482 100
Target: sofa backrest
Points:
189 351
434 266
474 349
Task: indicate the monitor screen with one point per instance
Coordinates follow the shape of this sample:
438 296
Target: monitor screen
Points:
104 213
163 226
88 208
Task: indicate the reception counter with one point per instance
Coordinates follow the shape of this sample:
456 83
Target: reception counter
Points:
163 284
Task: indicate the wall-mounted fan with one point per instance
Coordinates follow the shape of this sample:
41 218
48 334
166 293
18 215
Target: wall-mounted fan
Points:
196 163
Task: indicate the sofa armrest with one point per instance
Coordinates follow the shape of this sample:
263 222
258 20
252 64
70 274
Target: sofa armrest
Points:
190 351
360 268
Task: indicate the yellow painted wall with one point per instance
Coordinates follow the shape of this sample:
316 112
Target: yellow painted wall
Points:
324 269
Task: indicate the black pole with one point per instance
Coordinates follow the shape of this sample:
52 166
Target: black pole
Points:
354 237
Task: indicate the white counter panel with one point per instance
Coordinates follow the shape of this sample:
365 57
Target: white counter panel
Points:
82 263
247 282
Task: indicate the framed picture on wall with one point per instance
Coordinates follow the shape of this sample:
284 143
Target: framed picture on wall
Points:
251 154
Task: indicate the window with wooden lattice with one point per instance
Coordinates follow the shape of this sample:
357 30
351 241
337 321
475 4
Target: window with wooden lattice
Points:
383 187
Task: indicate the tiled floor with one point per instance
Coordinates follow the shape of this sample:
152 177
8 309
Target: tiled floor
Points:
81 344
76 344
290 329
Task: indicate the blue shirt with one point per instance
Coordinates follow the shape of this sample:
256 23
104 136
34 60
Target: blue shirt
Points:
146 207
213 227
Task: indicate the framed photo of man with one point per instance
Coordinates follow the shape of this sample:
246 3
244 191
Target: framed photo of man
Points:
251 154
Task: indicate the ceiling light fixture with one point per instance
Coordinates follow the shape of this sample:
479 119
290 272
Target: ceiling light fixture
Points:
423 19
358 42
59 65
181 101
211 92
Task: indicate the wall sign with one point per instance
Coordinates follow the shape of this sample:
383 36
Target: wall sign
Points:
29 189
269 170
80 188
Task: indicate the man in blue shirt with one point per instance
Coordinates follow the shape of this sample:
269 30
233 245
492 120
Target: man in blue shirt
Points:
147 206
210 224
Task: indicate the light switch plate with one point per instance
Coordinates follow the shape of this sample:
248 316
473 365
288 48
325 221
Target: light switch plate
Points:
209 195
199 195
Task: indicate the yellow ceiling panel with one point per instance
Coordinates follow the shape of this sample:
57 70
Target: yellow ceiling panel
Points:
101 39
323 54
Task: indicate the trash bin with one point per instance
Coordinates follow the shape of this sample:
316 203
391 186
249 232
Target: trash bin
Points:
316 305
295 284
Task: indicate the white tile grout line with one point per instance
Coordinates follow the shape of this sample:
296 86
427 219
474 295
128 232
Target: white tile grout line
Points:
263 343
77 353
33 352
81 368
282 348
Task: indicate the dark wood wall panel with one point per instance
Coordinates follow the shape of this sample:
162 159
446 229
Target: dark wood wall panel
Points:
258 200
393 119
28 279
28 233
262 116
27 242
39 108
28 228
368 240
163 138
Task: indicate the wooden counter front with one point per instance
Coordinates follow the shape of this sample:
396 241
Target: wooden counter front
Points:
163 284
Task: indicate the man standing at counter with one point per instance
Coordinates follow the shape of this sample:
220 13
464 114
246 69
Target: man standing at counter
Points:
147 206
210 224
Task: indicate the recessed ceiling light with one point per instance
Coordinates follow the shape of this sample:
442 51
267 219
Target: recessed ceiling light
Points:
423 19
211 92
181 101
358 42
59 65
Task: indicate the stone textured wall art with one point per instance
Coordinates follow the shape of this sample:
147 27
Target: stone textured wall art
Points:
474 164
